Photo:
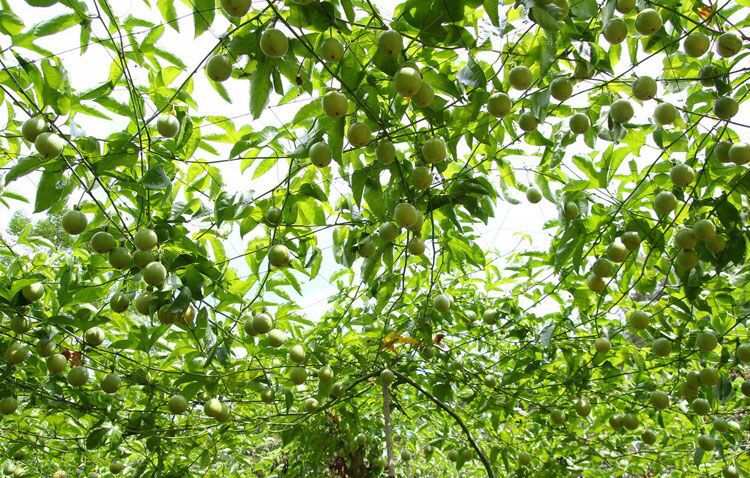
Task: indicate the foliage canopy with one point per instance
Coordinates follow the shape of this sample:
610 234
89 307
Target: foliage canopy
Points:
379 143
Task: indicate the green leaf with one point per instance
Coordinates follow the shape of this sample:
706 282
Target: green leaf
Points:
203 15
698 456
10 24
585 165
182 302
584 9
170 57
442 391
351 72
23 167
491 7
278 85
336 139
314 191
115 106
56 24
359 177
222 91
545 19
50 190
472 75
85 36
348 10
369 266
315 16
374 198
156 178
441 81
102 90
312 109
260 87
168 12
95 438
548 55
264 166
723 390
547 334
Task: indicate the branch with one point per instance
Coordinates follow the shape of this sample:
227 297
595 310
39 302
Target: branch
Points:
447 409
388 432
